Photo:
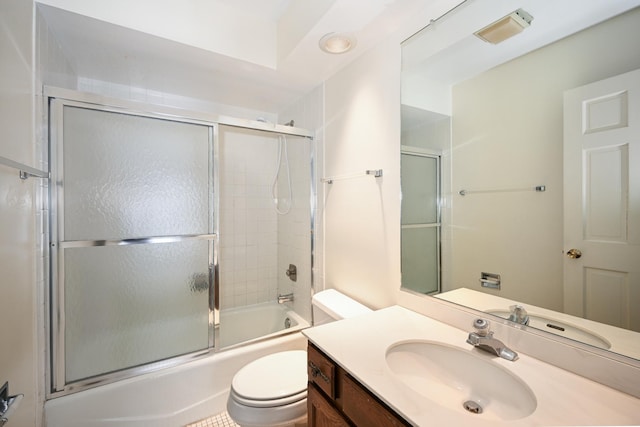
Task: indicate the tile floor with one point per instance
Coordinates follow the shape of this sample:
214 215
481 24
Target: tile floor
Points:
220 420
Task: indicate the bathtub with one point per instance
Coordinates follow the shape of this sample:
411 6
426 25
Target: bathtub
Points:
177 396
256 322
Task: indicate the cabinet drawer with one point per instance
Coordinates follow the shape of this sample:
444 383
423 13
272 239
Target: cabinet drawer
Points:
364 409
321 371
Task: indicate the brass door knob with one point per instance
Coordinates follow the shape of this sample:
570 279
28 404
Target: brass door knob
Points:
574 253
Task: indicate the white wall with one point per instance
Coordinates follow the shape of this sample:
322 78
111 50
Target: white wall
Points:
18 293
362 215
507 133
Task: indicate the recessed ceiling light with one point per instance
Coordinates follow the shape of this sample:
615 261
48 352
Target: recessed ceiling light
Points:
337 42
505 27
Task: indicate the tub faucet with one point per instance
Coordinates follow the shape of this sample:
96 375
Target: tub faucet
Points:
519 314
483 339
285 298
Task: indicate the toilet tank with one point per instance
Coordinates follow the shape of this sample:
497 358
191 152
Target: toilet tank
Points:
331 305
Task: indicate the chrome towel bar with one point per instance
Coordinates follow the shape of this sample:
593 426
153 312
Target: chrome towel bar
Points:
25 171
537 188
376 173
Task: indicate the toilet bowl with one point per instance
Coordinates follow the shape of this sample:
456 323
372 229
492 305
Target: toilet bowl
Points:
272 391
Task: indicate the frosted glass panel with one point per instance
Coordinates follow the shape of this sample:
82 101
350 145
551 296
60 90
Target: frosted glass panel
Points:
419 189
130 305
128 176
420 267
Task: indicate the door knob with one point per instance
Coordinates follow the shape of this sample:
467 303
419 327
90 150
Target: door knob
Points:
574 253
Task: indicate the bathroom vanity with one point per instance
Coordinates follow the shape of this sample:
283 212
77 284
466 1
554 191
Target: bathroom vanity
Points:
334 397
395 367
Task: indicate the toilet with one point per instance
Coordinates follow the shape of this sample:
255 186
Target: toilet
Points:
272 390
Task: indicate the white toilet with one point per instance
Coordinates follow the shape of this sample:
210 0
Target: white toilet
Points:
272 391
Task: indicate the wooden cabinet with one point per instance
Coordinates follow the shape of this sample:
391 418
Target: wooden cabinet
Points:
336 399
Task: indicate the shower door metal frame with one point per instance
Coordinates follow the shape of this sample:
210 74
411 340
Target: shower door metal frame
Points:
437 156
58 384
55 368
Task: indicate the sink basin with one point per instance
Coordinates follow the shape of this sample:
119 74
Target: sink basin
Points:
461 380
560 328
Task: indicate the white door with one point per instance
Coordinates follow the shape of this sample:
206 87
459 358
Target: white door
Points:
602 201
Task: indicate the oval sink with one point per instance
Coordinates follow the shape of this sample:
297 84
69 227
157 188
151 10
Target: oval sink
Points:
461 380
560 328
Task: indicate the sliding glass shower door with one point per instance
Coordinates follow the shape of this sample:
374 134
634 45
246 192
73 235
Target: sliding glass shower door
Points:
420 259
133 234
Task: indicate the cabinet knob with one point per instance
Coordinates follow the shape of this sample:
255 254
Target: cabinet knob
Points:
316 372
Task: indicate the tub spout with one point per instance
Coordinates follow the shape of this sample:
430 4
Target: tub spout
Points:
285 298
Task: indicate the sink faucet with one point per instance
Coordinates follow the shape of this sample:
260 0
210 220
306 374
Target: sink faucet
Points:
483 339
285 298
519 314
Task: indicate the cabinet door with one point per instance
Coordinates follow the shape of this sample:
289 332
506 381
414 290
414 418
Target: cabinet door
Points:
363 409
321 412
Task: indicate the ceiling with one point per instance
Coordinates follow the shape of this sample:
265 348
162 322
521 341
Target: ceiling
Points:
258 54
263 54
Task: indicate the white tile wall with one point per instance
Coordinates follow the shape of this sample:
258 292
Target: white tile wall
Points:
307 113
248 221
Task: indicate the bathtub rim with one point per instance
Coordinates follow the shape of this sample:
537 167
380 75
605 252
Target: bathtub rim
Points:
173 362
301 324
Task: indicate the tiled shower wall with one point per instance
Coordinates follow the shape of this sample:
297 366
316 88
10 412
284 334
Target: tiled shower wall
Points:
294 246
256 243
248 220
308 113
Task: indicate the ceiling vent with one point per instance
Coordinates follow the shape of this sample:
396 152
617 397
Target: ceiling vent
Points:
505 27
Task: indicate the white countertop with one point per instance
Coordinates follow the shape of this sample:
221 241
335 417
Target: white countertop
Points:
359 346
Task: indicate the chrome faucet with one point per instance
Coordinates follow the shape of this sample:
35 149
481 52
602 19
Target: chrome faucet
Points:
482 338
519 314
285 298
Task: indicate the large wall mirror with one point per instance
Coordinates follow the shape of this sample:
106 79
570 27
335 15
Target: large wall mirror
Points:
501 212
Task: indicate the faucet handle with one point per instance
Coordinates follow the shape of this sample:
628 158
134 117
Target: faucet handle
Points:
482 327
519 314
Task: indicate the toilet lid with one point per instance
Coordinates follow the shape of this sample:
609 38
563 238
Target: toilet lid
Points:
276 377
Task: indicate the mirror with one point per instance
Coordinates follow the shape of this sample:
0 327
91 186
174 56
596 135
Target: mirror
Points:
493 114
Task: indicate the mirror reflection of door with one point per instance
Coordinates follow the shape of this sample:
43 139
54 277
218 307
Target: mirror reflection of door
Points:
420 220
602 201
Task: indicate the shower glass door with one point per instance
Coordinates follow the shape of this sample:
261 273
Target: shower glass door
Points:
132 237
420 259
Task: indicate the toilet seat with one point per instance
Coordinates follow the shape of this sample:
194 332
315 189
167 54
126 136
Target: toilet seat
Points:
272 403
275 380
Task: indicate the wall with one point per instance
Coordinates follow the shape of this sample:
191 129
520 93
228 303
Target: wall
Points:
362 214
507 133
18 293
23 216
